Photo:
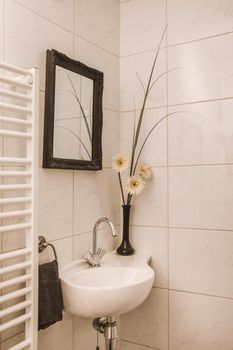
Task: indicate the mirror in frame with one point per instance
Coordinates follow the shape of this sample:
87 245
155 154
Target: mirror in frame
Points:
73 114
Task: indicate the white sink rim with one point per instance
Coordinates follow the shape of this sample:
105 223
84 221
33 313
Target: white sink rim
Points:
98 301
149 273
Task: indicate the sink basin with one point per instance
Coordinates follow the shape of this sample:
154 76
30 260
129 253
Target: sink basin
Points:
118 286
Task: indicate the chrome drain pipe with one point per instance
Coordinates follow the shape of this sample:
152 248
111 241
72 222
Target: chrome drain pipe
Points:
108 327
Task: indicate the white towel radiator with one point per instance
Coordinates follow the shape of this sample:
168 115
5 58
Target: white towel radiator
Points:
18 168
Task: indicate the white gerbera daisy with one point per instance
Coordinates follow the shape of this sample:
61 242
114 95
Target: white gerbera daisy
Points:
135 185
120 162
144 171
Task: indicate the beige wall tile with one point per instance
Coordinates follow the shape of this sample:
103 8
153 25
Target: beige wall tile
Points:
28 36
155 149
124 345
98 22
150 209
201 261
96 194
111 135
59 336
203 134
192 20
55 203
201 197
200 322
203 70
148 324
59 12
64 250
85 336
153 241
82 243
139 18
131 91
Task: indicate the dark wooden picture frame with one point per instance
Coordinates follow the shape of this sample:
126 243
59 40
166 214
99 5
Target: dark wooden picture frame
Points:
53 59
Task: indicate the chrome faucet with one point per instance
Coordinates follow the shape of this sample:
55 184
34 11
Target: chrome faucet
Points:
93 258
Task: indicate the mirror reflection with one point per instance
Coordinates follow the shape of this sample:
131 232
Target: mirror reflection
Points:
72 115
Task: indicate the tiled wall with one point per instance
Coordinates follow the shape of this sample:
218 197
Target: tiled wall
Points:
184 217
69 201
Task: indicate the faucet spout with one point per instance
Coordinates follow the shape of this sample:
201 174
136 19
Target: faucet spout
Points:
94 258
97 223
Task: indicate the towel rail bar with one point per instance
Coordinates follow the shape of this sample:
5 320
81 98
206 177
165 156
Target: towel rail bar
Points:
16 227
15 280
15 108
22 97
15 121
14 308
21 161
15 253
15 82
14 69
19 134
15 187
15 173
22 345
16 294
15 200
15 322
17 213
15 267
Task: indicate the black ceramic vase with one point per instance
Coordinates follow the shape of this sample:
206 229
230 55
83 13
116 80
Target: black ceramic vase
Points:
125 247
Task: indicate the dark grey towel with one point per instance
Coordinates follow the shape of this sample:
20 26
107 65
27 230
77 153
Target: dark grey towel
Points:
50 295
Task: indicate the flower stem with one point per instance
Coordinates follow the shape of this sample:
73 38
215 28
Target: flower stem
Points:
122 193
129 197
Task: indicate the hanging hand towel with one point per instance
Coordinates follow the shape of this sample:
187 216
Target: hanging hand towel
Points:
50 295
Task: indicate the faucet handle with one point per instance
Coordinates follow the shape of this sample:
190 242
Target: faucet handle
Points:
88 257
100 252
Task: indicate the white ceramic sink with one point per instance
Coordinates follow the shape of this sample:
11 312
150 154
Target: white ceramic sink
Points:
118 286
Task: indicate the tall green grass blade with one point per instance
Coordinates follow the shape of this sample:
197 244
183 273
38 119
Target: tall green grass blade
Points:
80 106
144 102
150 132
73 133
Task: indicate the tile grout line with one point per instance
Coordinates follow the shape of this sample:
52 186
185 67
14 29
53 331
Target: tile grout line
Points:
185 228
193 293
201 39
178 44
148 226
106 108
179 104
76 235
40 15
142 345
183 166
94 44
64 28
